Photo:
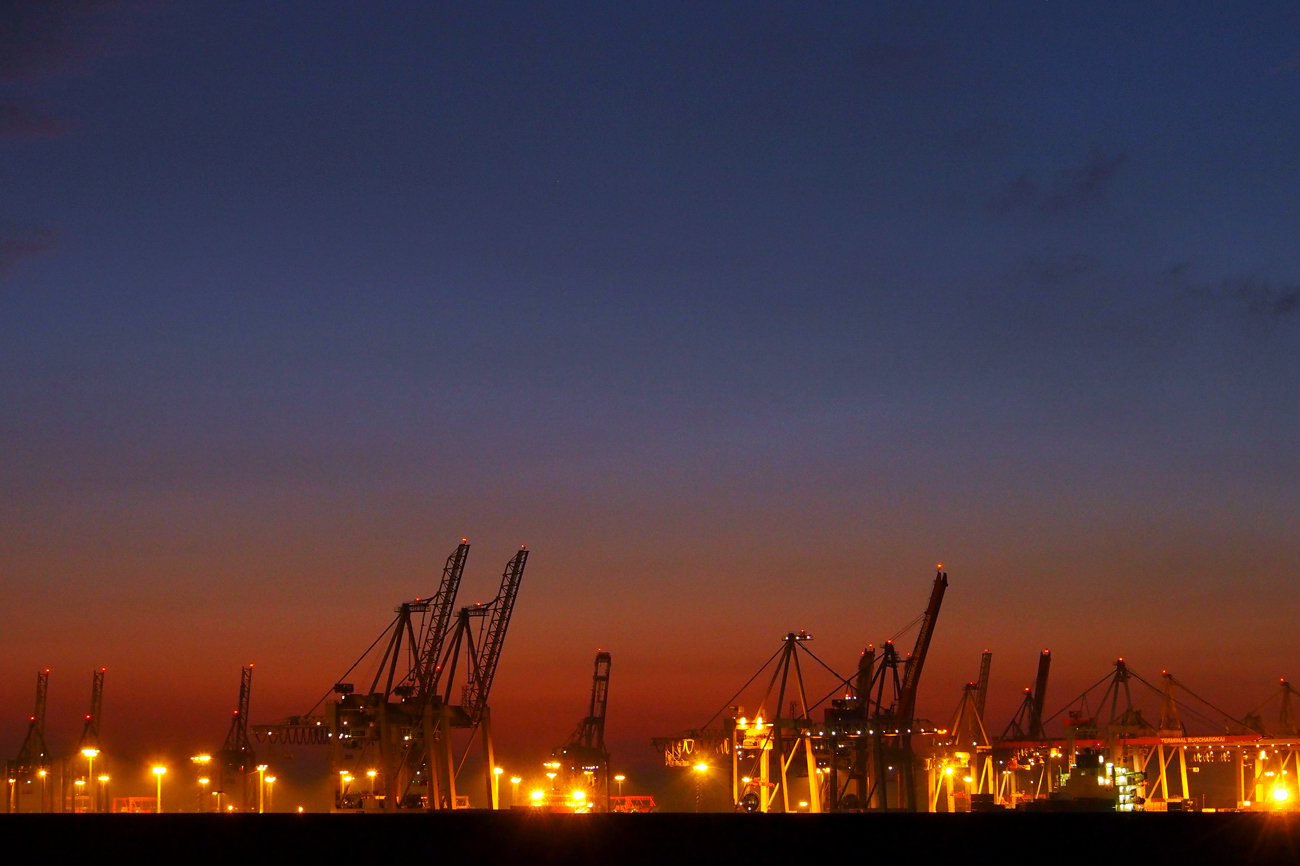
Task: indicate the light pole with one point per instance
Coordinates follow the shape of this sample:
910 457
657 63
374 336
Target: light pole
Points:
90 754
620 778
700 770
158 774
261 786
103 793
202 761
496 787
345 779
372 774
80 786
514 790
42 773
270 780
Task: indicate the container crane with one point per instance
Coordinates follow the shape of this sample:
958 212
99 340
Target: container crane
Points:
399 732
33 759
911 683
90 731
388 721
916 661
89 743
585 759
482 649
237 757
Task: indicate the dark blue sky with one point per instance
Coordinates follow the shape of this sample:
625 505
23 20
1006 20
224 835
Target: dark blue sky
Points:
740 316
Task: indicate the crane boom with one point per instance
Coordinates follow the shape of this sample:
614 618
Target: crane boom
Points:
916 661
237 744
982 685
33 754
438 622
498 613
593 727
1040 696
90 732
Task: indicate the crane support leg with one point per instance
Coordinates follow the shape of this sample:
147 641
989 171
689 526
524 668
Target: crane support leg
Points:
489 759
446 761
814 782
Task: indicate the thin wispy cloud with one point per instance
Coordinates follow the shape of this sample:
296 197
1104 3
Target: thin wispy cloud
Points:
1070 188
1251 294
21 121
19 243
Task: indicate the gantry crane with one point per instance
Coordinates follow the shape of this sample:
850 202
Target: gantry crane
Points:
900 718
481 647
584 759
89 743
364 738
398 734
237 758
33 759
864 739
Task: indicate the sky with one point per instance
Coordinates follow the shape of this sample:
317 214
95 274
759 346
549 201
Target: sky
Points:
742 317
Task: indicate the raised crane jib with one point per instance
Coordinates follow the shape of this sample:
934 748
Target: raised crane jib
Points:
33 751
238 749
488 655
90 733
912 671
1039 696
591 733
438 621
982 684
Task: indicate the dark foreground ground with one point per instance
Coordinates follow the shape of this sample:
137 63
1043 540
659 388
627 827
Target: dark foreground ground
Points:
610 840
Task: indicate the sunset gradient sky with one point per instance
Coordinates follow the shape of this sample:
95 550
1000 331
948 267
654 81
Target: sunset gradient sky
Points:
740 316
